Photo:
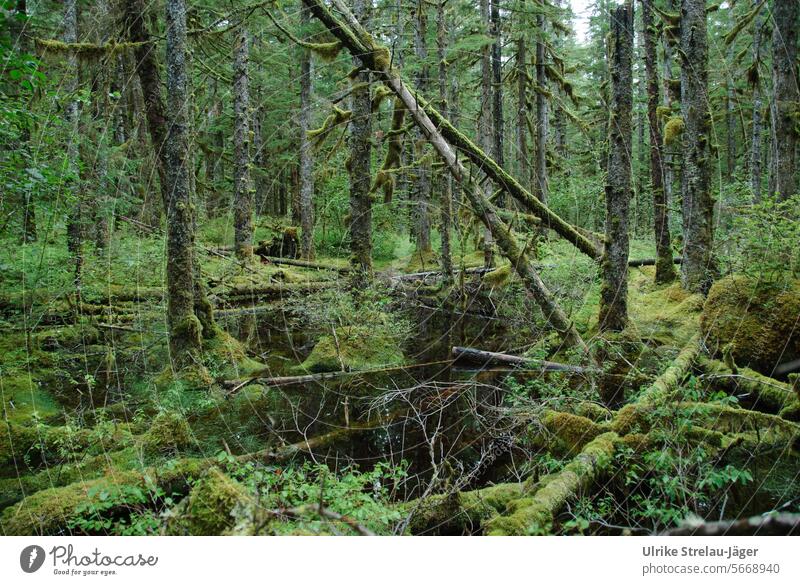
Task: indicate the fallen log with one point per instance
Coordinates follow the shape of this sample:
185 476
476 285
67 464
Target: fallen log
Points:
756 390
438 273
234 386
782 524
306 264
534 514
490 358
651 262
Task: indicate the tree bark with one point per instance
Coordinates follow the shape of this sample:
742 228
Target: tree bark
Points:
485 122
614 291
306 155
697 269
243 192
523 164
184 327
71 113
665 269
730 114
446 196
19 38
541 189
787 94
422 230
758 105
360 174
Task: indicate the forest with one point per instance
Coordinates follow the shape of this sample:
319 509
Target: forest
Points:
399 267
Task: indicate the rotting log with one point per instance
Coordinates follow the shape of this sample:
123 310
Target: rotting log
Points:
534 514
781 524
306 264
490 358
759 392
650 262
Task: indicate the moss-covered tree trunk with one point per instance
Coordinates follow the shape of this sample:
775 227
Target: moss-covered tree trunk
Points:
541 189
306 176
422 220
757 129
19 38
184 326
669 98
787 94
242 187
523 163
730 111
360 141
697 269
214 165
614 291
665 268
72 115
446 195
485 135
497 87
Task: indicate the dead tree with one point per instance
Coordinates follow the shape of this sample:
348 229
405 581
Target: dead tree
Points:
614 291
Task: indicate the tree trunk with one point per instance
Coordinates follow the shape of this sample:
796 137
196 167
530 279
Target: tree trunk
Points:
71 113
614 291
446 196
665 269
360 158
523 164
422 230
306 155
758 106
243 192
184 327
215 171
485 121
497 87
669 172
697 270
787 95
730 114
19 38
541 191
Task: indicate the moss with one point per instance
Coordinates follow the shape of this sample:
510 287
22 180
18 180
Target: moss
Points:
422 261
168 434
50 511
573 432
758 319
210 504
498 277
673 129
353 348
534 514
24 399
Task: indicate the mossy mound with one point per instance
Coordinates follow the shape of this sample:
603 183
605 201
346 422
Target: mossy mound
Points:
498 277
422 262
353 348
757 320
208 509
169 434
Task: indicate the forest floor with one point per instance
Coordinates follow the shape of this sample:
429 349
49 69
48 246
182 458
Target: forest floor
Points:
99 436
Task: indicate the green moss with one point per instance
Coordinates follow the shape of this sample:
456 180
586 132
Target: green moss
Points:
572 432
673 129
758 319
353 348
210 504
498 277
168 434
